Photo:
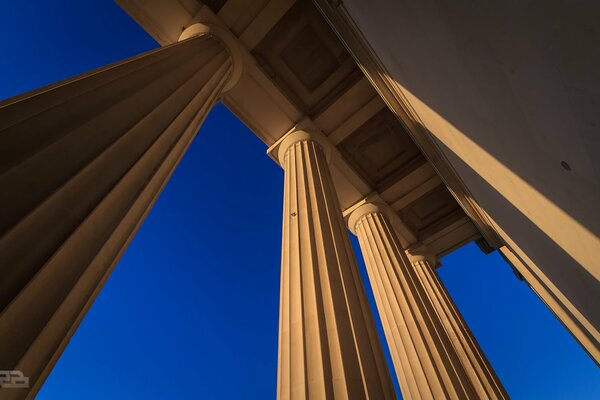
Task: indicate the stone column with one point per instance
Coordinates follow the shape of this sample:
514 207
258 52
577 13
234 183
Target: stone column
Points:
434 353
81 163
587 336
328 344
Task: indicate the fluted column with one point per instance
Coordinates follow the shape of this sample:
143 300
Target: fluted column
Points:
328 345
587 336
81 163
434 353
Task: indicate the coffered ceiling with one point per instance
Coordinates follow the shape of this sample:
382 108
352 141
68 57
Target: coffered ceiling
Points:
302 74
306 60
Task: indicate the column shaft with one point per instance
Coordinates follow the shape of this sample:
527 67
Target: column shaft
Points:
434 353
328 344
587 336
81 163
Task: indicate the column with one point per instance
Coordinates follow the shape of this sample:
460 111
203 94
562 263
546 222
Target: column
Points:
81 163
585 334
434 353
328 344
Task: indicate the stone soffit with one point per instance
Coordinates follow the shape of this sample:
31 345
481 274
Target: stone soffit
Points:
300 73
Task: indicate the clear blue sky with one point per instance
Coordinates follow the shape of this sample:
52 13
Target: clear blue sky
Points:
191 310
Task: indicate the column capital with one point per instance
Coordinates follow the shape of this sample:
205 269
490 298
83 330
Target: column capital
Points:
231 43
278 150
374 205
419 252
370 208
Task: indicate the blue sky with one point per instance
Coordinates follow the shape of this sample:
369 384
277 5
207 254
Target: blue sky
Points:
191 310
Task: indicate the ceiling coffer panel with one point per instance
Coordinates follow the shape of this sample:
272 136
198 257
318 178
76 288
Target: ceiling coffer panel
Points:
382 150
306 60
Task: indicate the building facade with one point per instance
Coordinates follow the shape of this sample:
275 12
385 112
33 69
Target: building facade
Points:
419 127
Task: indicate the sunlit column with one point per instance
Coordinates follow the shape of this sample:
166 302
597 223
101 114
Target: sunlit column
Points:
585 334
434 353
81 163
328 345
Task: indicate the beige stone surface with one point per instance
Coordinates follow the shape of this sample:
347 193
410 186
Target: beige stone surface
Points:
502 98
489 134
434 353
328 344
549 296
82 162
297 71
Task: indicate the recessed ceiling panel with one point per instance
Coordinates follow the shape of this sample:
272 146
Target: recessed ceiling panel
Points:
306 60
382 150
431 212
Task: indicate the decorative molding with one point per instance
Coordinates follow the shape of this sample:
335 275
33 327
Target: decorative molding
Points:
369 63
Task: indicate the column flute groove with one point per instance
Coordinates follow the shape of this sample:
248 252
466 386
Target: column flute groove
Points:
472 356
86 159
392 287
434 353
324 314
